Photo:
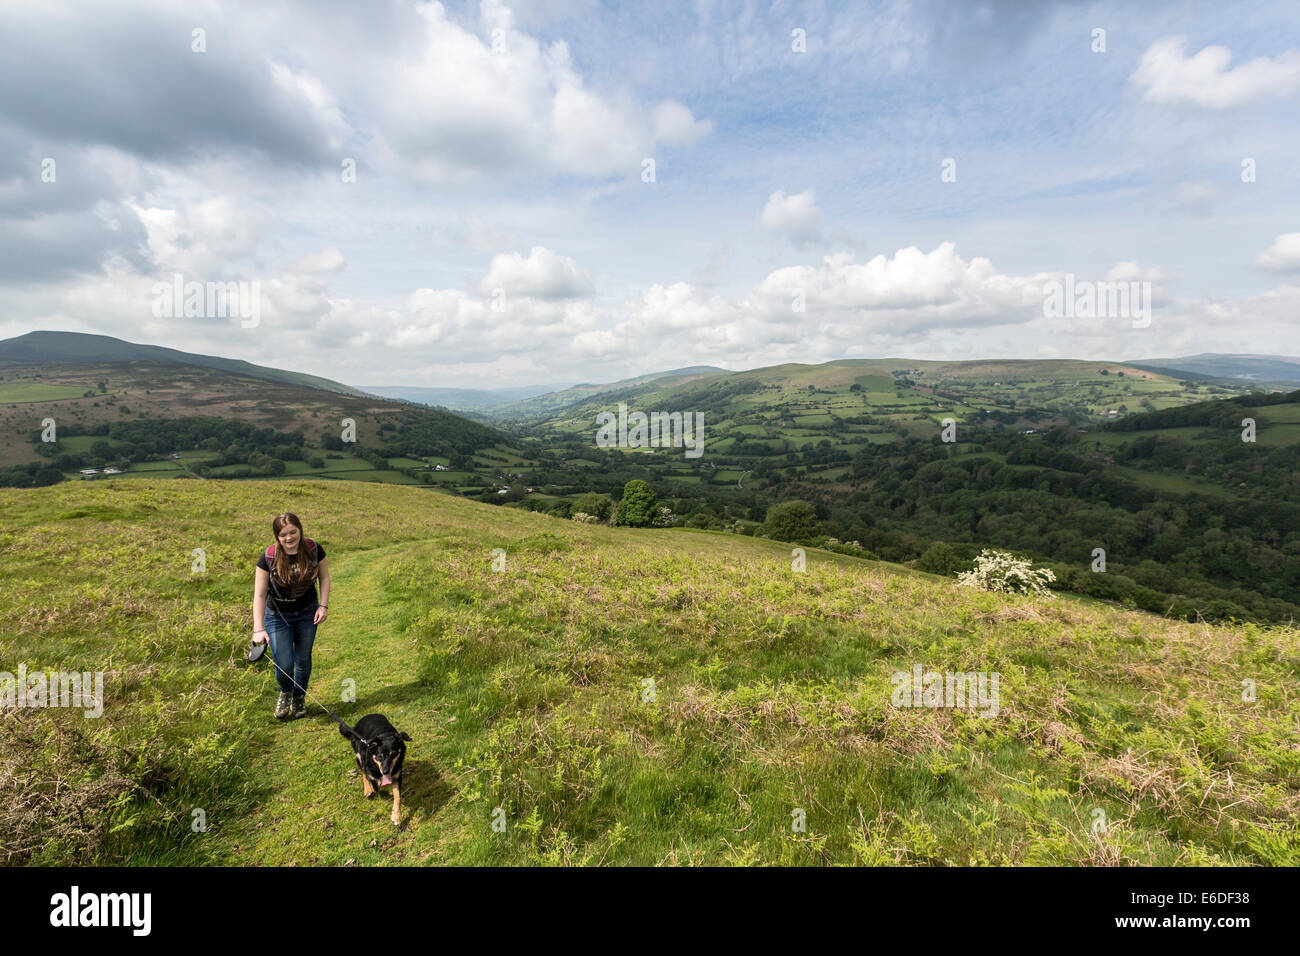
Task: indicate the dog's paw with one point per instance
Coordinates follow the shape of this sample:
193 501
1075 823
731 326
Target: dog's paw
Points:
397 821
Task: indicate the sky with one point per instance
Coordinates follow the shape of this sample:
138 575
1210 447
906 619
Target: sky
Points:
495 194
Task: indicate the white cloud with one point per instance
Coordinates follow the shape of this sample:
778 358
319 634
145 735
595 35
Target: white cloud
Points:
675 126
912 289
327 260
467 108
202 237
1131 272
1167 75
795 217
299 297
1283 255
543 275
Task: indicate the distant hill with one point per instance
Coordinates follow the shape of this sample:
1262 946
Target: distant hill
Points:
98 387
802 402
462 398
71 347
541 406
1269 370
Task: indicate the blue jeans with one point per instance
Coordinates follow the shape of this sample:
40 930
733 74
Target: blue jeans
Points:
292 634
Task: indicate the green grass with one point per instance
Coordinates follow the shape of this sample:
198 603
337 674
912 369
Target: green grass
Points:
1177 484
527 691
16 392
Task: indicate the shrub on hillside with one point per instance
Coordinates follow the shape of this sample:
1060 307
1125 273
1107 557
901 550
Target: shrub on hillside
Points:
702 519
1003 572
851 548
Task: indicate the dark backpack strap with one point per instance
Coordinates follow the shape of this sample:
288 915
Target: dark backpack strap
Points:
311 556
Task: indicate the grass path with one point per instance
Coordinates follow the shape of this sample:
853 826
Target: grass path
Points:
315 813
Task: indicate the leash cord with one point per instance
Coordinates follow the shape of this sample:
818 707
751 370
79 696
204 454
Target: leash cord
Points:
275 594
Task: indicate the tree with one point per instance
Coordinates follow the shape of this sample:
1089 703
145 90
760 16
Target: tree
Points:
791 521
637 507
592 503
940 558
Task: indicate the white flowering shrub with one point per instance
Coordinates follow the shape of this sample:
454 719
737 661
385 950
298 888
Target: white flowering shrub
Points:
1000 571
583 518
663 518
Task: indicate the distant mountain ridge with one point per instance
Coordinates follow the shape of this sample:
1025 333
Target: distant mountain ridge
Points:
50 346
1276 370
540 405
463 399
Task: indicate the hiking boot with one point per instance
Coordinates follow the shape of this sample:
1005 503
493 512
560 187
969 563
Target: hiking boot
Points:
282 706
299 706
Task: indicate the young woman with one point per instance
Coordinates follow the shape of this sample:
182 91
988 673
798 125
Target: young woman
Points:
290 568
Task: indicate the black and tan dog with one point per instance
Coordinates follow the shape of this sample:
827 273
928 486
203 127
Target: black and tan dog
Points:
380 750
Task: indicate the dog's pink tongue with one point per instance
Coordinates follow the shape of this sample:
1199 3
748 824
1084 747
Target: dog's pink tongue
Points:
385 780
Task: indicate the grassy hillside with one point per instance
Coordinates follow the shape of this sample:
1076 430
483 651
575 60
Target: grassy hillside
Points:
64 348
70 393
111 413
526 690
841 408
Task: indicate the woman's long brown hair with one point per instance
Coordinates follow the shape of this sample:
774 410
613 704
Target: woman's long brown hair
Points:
291 567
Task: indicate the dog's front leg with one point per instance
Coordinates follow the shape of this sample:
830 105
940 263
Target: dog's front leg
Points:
397 804
366 788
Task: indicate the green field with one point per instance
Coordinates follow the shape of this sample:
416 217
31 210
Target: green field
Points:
798 406
528 691
15 392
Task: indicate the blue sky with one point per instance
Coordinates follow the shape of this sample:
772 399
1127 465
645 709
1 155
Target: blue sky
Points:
499 153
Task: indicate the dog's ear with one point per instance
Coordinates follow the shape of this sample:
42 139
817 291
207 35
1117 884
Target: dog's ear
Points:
404 735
